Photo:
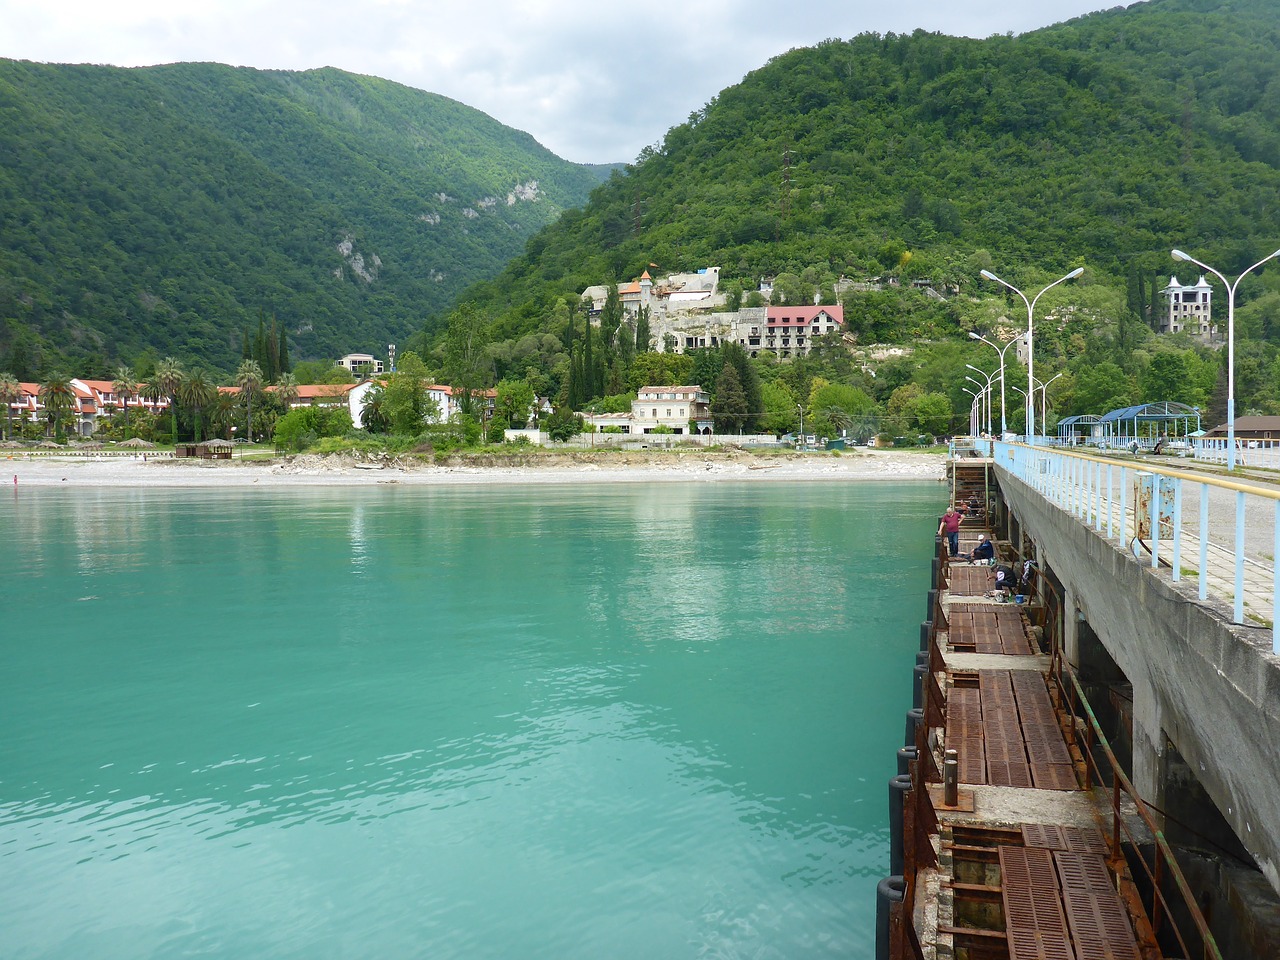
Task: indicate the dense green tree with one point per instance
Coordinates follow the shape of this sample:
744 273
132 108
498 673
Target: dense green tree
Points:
513 403
467 363
405 402
1099 389
10 393
729 407
780 414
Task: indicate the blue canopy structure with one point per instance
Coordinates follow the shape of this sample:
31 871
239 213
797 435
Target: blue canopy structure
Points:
1148 421
1071 429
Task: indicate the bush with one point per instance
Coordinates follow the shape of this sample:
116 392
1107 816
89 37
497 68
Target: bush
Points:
299 429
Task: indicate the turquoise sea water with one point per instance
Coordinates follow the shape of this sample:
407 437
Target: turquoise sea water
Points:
610 721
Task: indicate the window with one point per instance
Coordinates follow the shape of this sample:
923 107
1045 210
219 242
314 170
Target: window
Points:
669 413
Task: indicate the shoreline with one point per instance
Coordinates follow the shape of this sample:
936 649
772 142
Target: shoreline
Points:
564 468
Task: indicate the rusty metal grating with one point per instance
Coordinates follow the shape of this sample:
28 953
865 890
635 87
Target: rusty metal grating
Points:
1034 921
1096 916
971 759
1054 776
1064 837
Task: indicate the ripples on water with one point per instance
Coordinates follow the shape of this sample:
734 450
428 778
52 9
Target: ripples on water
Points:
611 721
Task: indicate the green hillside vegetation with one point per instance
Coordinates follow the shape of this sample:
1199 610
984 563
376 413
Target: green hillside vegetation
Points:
1102 142
160 211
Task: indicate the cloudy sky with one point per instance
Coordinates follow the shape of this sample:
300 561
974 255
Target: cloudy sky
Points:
593 80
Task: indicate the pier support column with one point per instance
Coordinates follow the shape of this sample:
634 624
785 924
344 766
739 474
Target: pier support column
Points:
1148 743
1072 617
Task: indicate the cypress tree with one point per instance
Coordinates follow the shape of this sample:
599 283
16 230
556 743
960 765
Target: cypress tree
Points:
588 366
260 343
272 368
643 334
283 353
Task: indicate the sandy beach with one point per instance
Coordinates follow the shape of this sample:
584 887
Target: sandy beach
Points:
563 467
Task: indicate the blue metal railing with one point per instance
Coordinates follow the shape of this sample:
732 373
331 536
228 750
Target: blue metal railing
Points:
1140 506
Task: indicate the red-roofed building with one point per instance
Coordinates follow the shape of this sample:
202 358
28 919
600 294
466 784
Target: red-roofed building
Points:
789 331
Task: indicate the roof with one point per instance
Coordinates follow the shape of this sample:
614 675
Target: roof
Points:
803 315
1078 418
1248 425
1164 410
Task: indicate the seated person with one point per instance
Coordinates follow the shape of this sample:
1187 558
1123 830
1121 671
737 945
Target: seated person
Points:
984 552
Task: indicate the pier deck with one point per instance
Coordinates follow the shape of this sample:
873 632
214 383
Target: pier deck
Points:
1023 868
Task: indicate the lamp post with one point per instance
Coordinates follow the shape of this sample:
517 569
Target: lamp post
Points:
1044 401
1031 308
1231 343
986 387
975 411
990 377
1004 426
800 407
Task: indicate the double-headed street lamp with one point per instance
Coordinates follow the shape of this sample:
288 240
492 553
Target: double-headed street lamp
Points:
1004 424
1031 307
989 377
975 411
1231 343
1044 401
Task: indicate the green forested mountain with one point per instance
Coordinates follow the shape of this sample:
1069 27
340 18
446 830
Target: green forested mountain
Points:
1103 141
164 210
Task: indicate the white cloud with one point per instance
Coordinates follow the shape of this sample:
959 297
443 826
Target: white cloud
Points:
592 82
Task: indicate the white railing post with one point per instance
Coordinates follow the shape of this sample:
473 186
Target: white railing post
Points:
1238 615
1177 530
1155 521
1204 541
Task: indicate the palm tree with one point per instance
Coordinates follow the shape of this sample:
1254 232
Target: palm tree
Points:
125 387
10 392
58 397
168 378
287 389
223 415
373 414
197 393
249 379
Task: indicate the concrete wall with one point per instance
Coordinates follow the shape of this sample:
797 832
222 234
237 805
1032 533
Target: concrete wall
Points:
1211 689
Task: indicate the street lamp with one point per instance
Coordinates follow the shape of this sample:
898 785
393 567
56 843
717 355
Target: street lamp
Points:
1044 400
1031 307
1231 343
975 411
800 407
986 387
1004 427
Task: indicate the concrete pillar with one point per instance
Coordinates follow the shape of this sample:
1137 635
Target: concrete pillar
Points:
1072 617
1148 741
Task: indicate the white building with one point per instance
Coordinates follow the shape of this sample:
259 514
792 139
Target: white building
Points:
682 410
1189 308
354 361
